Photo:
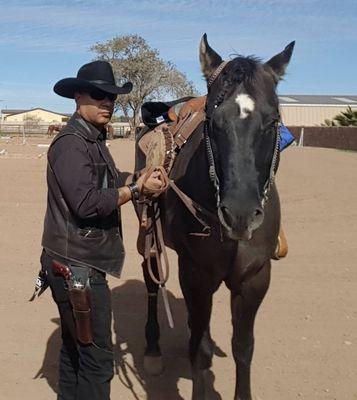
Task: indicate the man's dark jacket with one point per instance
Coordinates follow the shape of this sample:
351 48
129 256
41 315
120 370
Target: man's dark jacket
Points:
82 223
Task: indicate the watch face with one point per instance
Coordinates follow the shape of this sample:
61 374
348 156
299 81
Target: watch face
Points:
134 189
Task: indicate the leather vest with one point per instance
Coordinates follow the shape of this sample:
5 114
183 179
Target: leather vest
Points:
93 242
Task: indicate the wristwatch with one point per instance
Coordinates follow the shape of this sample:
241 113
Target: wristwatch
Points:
134 190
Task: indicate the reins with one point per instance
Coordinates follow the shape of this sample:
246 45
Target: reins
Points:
154 241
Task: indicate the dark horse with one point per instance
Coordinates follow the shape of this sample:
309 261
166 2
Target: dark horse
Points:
53 129
227 166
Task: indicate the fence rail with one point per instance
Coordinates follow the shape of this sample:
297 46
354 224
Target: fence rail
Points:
19 129
342 138
120 130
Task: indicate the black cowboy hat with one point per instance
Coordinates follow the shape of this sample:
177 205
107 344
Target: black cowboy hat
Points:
94 75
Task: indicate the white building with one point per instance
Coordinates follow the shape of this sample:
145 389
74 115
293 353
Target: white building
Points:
312 110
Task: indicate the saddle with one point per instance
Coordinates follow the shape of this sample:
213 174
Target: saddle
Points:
170 126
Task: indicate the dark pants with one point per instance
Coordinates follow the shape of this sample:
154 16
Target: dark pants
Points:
85 371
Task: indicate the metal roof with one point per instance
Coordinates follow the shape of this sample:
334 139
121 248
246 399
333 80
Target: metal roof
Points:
323 100
13 112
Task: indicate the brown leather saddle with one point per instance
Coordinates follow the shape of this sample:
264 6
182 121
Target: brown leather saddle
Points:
172 129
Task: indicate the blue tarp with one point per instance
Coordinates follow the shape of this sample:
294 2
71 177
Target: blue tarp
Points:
286 137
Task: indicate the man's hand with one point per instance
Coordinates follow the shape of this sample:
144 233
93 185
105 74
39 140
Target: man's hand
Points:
152 184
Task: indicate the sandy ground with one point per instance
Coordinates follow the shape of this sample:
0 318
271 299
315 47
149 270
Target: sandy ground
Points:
306 330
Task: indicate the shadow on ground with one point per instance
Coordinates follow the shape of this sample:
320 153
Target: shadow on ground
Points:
129 308
129 315
49 368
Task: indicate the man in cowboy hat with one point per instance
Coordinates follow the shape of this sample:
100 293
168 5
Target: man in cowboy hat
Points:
82 239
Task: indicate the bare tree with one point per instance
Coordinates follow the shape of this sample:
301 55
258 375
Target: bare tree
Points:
153 78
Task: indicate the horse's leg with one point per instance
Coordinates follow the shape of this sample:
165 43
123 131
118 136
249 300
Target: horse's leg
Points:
198 298
152 358
245 302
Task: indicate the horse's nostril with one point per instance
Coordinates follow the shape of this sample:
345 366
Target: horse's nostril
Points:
241 222
257 218
258 212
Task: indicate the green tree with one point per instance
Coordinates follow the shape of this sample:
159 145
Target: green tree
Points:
344 118
328 122
347 118
153 78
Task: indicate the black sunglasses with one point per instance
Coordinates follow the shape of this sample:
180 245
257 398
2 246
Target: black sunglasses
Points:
100 95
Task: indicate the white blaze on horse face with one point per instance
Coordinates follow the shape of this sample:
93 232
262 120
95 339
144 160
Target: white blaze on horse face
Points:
246 105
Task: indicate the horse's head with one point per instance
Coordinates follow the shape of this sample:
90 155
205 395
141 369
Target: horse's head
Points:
242 116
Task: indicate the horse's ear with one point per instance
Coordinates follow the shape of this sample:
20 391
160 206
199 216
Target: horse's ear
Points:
209 59
279 62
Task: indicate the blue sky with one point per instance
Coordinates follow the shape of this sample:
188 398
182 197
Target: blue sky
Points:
44 41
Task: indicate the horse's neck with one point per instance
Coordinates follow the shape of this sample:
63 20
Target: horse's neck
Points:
190 172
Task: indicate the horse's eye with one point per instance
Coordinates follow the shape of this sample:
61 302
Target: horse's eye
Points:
269 126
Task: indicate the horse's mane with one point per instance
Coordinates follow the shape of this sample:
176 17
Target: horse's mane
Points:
241 68
246 70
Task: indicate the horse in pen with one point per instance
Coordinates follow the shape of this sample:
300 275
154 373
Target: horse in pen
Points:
53 129
221 210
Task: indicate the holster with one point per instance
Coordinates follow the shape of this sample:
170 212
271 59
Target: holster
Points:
79 293
81 306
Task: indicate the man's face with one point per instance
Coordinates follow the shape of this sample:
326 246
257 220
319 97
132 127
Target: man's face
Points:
95 106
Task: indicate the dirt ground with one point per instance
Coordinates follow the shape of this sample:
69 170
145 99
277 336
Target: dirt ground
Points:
306 329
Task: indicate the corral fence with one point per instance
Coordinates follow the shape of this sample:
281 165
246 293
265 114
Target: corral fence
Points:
342 138
121 130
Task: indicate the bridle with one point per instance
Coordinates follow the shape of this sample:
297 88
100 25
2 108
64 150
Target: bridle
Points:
210 156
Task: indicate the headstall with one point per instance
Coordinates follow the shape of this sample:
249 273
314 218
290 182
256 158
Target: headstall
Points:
210 156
